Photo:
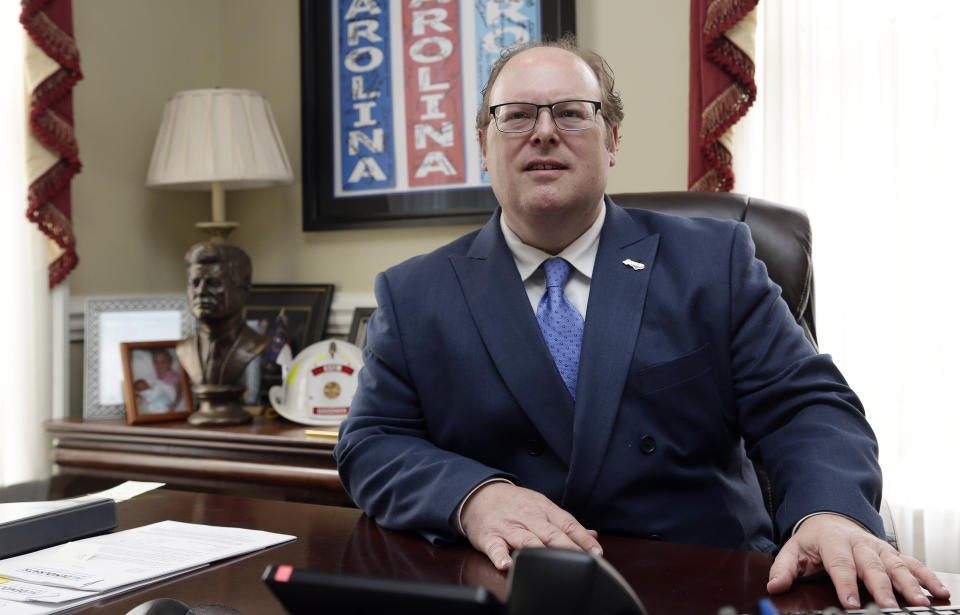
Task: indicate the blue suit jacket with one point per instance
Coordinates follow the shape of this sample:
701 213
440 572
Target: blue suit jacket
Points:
688 367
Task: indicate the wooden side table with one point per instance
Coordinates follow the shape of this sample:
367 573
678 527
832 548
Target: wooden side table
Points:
270 457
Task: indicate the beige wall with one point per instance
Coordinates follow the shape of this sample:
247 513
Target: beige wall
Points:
135 53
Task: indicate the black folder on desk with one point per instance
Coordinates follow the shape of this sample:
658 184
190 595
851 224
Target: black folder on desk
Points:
78 520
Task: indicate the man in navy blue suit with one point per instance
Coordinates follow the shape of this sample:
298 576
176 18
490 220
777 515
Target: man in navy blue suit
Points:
475 418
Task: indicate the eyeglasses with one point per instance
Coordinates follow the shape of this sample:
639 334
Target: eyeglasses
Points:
567 115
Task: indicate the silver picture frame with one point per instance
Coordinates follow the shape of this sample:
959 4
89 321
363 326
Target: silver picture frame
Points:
110 321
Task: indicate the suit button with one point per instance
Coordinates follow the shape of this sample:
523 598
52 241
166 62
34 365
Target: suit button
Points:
534 447
648 445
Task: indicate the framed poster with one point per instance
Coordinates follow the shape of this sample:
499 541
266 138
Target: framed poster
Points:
389 95
305 309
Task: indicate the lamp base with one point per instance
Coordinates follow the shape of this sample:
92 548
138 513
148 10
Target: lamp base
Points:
218 231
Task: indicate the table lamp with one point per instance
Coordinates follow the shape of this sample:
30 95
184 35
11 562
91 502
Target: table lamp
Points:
218 139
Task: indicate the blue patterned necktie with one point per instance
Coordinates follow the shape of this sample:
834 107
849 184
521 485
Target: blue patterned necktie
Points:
561 323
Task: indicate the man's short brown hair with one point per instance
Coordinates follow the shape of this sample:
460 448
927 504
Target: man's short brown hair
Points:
611 107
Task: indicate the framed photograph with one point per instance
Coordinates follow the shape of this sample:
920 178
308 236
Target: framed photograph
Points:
389 96
305 309
108 322
358 328
155 388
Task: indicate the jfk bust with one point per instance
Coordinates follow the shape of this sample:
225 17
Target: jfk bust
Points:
218 282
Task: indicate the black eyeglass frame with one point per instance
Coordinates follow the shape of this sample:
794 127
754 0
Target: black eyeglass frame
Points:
596 110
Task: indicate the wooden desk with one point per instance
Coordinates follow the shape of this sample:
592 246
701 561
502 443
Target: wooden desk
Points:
270 458
670 579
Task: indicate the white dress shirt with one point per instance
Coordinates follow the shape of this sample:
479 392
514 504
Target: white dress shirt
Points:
581 254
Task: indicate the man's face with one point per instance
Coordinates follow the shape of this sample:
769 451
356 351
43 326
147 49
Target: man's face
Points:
212 293
547 171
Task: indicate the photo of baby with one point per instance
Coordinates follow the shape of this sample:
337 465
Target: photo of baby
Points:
158 385
155 386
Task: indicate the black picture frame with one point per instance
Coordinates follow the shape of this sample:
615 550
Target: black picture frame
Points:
321 209
358 328
306 308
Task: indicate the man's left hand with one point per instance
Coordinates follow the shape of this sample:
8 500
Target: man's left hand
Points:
848 552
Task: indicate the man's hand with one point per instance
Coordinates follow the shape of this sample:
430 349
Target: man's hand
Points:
500 517
847 552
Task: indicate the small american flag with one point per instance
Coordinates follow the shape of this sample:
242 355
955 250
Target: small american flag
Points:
279 339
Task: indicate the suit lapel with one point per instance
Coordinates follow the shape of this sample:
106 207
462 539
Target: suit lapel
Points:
498 303
614 313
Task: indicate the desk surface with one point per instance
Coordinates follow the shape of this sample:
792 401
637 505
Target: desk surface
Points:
670 579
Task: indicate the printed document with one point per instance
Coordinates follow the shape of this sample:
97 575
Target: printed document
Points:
61 577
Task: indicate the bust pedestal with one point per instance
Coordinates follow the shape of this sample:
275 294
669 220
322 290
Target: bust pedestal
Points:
219 405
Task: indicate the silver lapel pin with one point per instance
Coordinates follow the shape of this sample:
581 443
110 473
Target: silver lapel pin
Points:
632 263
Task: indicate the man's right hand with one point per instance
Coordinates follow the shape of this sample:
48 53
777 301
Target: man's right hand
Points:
500 517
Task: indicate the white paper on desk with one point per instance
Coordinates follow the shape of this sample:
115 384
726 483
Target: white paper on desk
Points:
138 554
123 491
25 592
9 607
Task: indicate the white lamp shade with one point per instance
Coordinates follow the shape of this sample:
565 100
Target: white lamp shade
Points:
218 135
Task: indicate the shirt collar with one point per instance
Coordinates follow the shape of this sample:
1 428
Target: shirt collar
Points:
581 253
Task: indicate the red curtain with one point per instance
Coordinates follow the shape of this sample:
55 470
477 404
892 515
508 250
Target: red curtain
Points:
49 23
722 89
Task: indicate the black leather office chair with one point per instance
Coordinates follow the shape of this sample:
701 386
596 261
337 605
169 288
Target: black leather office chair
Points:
782 236
783 239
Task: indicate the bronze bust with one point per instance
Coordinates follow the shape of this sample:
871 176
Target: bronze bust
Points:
218 281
